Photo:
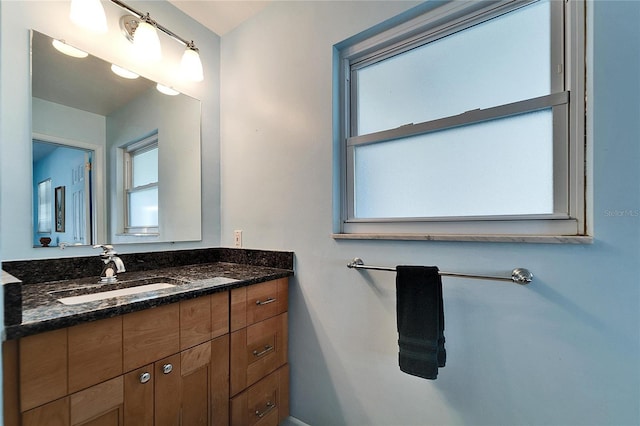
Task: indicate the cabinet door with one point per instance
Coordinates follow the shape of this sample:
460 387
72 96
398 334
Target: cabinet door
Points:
55 413
150 335
257 351
99 405
95 352
138 397
43 368
219 314
195 322
220 381
168 391
195 372
10 385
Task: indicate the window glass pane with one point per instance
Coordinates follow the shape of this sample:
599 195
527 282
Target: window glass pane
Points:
503 60
145 167
143 207
44 206
499 167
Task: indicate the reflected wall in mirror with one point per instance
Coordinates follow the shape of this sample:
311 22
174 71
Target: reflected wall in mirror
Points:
81 106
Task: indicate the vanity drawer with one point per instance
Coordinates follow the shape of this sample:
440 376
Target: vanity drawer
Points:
95 352
43 368
258 302
257 351
264 403
203 319
150 335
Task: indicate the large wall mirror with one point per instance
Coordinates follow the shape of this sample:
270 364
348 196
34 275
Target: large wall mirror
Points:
114 159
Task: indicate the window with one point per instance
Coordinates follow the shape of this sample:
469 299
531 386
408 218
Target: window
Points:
141 186
44 207
467 120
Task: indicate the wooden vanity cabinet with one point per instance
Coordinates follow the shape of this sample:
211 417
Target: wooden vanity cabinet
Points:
161 366
176 364
259 374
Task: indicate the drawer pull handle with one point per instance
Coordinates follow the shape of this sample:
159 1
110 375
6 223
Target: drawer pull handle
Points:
265 302
167 368
145 377
270 406
267 348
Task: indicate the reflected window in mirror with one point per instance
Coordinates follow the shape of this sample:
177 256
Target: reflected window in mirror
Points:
141 186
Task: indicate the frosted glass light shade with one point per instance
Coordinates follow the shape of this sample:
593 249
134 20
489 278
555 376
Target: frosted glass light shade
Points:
89 14
63 47
166 90
146 42
123 72
191 66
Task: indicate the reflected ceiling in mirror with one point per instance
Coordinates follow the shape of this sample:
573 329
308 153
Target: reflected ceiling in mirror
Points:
86 84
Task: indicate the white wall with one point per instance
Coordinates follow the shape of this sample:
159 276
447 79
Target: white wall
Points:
563 350
51 18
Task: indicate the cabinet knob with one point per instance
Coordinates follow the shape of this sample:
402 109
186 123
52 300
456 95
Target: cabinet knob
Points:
167 368
145 377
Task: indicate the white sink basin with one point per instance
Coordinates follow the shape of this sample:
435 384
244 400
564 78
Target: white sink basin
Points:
76 300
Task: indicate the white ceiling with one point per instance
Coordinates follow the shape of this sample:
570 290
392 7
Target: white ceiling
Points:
220 16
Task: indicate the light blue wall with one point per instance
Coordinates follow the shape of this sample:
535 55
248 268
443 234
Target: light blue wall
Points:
562 351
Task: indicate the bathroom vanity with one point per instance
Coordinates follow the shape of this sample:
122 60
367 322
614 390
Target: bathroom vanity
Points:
211 349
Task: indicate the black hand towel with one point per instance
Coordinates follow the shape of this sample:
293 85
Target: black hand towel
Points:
420 317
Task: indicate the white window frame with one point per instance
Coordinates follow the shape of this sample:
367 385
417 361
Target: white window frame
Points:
567 99
146 144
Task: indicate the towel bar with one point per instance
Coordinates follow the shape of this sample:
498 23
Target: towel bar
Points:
519 275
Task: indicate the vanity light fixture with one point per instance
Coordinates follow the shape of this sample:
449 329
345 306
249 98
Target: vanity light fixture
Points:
191 67
166 90
145 38
89 14
140 28
124 73
63 47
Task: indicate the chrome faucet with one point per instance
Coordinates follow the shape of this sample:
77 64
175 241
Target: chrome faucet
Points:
112 264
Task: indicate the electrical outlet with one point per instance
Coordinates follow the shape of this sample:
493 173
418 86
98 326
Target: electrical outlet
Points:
237 238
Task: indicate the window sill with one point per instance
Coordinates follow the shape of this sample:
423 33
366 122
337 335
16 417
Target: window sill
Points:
540 239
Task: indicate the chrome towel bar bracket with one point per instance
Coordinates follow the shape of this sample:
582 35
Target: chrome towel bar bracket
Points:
518 275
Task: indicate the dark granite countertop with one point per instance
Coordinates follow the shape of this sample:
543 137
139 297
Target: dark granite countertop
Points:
41 310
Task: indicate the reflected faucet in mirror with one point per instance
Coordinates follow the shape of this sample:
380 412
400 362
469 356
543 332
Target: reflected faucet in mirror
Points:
112 264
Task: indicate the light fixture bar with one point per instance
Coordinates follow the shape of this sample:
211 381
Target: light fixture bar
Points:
165 30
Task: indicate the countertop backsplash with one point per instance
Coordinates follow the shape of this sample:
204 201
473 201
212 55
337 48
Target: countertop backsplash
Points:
46 270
